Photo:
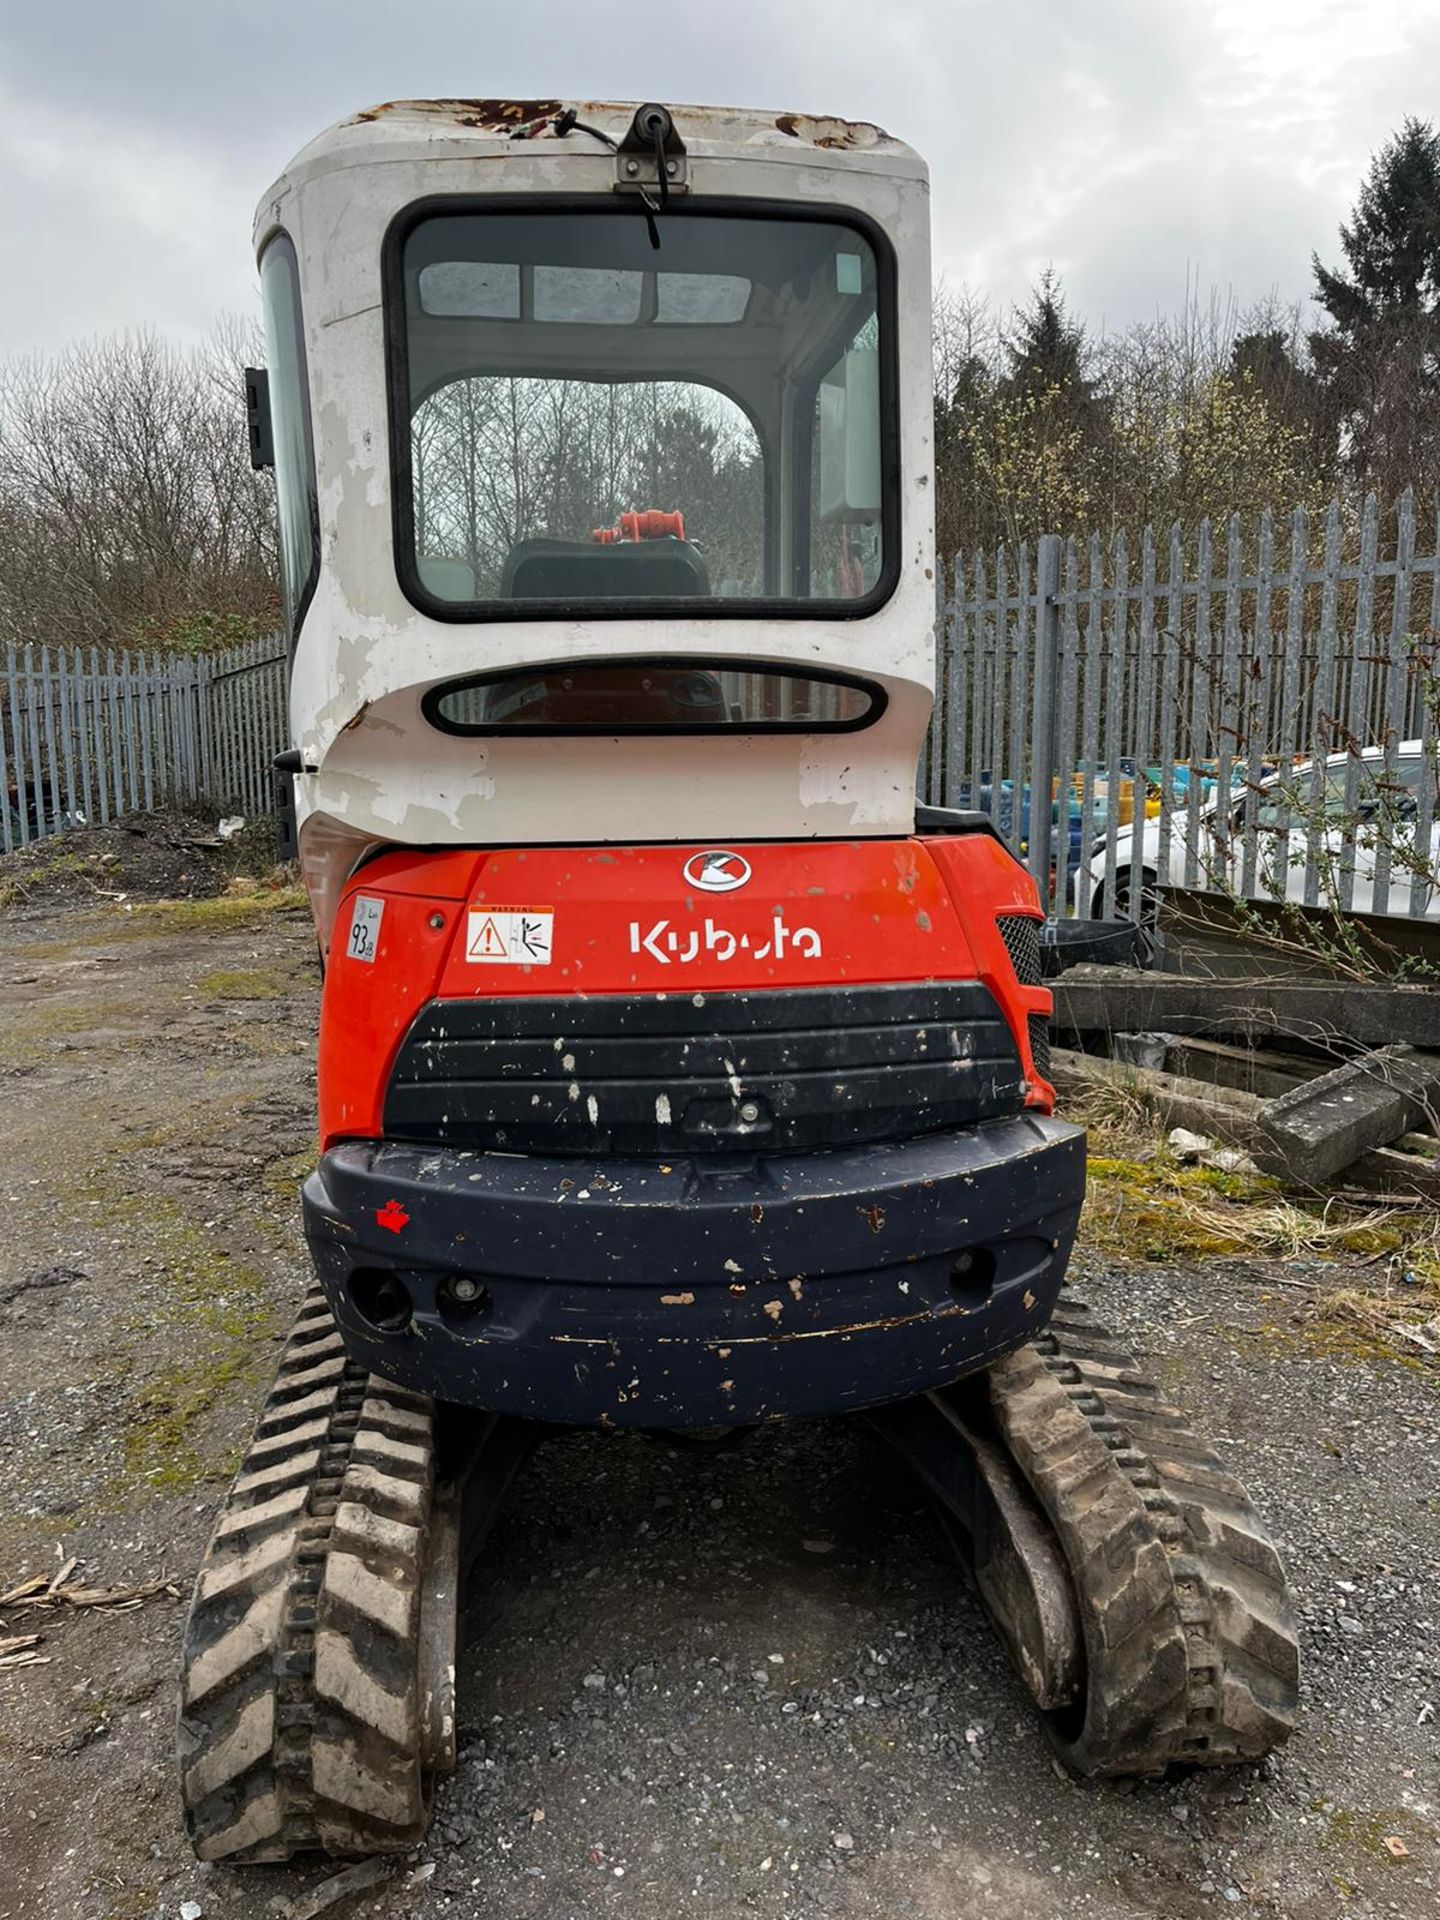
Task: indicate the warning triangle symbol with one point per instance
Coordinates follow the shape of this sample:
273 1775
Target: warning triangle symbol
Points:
488 942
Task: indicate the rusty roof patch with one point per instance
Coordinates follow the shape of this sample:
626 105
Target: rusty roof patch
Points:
835 134
499 115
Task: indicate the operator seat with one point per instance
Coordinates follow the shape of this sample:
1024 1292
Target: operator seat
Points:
664 569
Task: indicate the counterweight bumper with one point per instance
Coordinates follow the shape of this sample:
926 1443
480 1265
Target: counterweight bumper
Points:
703 1291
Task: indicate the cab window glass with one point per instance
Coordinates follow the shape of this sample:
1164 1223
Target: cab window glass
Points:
654 696
297 508
585 417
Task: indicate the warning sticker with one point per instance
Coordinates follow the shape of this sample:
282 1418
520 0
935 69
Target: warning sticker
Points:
364 941
510 936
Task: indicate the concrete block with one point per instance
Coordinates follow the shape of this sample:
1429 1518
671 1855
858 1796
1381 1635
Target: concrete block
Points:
1217 1112
1355 1012
1316 1130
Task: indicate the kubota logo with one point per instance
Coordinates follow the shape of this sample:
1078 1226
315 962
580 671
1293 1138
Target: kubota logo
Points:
717 872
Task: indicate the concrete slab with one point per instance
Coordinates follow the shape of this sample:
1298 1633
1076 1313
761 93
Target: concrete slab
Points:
1219 1112
1334 1012
1318 1129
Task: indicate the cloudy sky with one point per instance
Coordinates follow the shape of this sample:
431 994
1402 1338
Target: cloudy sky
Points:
1138 145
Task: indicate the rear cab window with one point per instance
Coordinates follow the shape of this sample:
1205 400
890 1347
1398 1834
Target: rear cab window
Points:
583 422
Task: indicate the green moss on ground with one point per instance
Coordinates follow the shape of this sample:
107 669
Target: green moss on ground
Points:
253 983
1323 1336
28 1032
1360 1834
162 1418
203 916
1375 1294
283 1178
218 1322
1157 1210
113 925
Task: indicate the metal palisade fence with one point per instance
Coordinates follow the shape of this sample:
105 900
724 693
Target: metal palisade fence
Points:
1250 710
86 736
1253 710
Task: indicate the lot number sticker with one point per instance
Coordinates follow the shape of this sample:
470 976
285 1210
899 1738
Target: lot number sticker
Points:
510 936
364 940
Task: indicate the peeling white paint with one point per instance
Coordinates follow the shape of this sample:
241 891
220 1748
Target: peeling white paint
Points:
366 657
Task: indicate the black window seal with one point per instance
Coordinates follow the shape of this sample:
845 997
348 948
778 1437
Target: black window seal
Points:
280 238
685 663
492 612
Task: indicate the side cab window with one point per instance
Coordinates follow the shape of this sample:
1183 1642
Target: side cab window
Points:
296 495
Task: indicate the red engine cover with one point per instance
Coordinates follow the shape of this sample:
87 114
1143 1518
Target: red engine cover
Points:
667 920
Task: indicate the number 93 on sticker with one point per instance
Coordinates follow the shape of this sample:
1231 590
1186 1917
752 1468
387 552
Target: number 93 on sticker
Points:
509 936
364 938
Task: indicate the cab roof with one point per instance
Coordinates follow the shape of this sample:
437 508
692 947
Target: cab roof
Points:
457 129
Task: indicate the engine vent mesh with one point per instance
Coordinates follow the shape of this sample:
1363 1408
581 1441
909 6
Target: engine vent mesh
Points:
1040 1044
1021 935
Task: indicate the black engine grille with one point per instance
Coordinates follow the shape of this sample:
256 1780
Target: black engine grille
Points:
782 1070
1040 1044
1022 942
1021 934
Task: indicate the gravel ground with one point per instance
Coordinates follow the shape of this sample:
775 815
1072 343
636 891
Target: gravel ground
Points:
699 1681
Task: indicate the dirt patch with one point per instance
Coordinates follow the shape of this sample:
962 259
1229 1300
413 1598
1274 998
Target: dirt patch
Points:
715 1683
158 856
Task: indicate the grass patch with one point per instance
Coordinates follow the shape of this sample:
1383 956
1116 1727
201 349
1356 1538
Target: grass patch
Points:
1156 1209
212 1334
111 923
50 1020
162 1419
28 1034
1399 1316
1361 1835
234 909
284 1178
243 984
30 868
1383 1299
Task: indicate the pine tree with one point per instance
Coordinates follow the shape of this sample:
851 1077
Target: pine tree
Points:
1047 351
1379 359
1392 242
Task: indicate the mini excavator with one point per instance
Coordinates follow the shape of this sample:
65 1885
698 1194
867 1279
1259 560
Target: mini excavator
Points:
677 1070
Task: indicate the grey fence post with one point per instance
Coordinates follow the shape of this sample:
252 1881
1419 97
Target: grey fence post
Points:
1044 716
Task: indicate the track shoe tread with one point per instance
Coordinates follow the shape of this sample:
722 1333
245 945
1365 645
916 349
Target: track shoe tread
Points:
300 1723
1208 1582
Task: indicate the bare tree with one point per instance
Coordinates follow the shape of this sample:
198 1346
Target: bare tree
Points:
129 506
499 460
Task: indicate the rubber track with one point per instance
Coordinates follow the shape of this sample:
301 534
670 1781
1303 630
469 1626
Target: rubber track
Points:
299 1714
1191 1643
